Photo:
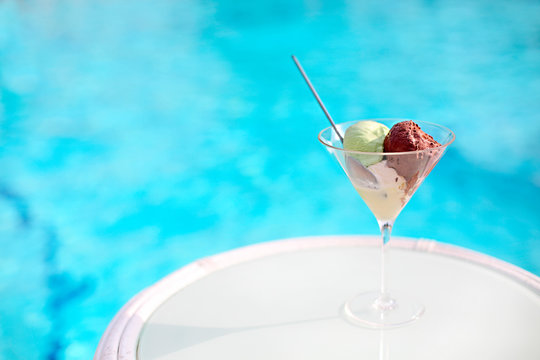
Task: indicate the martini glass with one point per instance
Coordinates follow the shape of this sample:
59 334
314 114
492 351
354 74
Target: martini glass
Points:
386 187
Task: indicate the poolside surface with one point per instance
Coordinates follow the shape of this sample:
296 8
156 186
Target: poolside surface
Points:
136 137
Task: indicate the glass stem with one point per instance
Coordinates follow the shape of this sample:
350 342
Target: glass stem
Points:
386 229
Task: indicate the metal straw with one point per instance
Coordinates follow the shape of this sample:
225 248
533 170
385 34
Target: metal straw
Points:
317 97
355 168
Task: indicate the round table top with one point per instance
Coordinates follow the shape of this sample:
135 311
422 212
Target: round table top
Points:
283 300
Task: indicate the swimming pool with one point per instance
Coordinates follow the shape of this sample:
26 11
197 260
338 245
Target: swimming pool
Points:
136 137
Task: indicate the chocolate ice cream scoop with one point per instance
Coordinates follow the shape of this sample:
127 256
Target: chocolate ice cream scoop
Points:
407 136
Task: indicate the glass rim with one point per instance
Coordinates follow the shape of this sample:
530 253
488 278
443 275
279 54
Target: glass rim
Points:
442 146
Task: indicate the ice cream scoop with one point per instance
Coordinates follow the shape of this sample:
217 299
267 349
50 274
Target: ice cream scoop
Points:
407 136
366 136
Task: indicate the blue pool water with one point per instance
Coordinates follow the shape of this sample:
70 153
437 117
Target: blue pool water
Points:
138 136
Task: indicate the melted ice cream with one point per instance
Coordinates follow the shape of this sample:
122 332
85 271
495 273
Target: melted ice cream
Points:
387 201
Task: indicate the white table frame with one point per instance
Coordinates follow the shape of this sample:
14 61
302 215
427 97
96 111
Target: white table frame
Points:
121 337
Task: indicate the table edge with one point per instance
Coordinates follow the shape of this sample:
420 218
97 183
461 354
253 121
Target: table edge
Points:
120 339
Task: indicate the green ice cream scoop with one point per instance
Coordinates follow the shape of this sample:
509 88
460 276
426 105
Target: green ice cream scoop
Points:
366 136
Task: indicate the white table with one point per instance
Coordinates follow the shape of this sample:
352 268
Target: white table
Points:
282 300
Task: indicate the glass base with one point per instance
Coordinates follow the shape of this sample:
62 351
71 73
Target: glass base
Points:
382 311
